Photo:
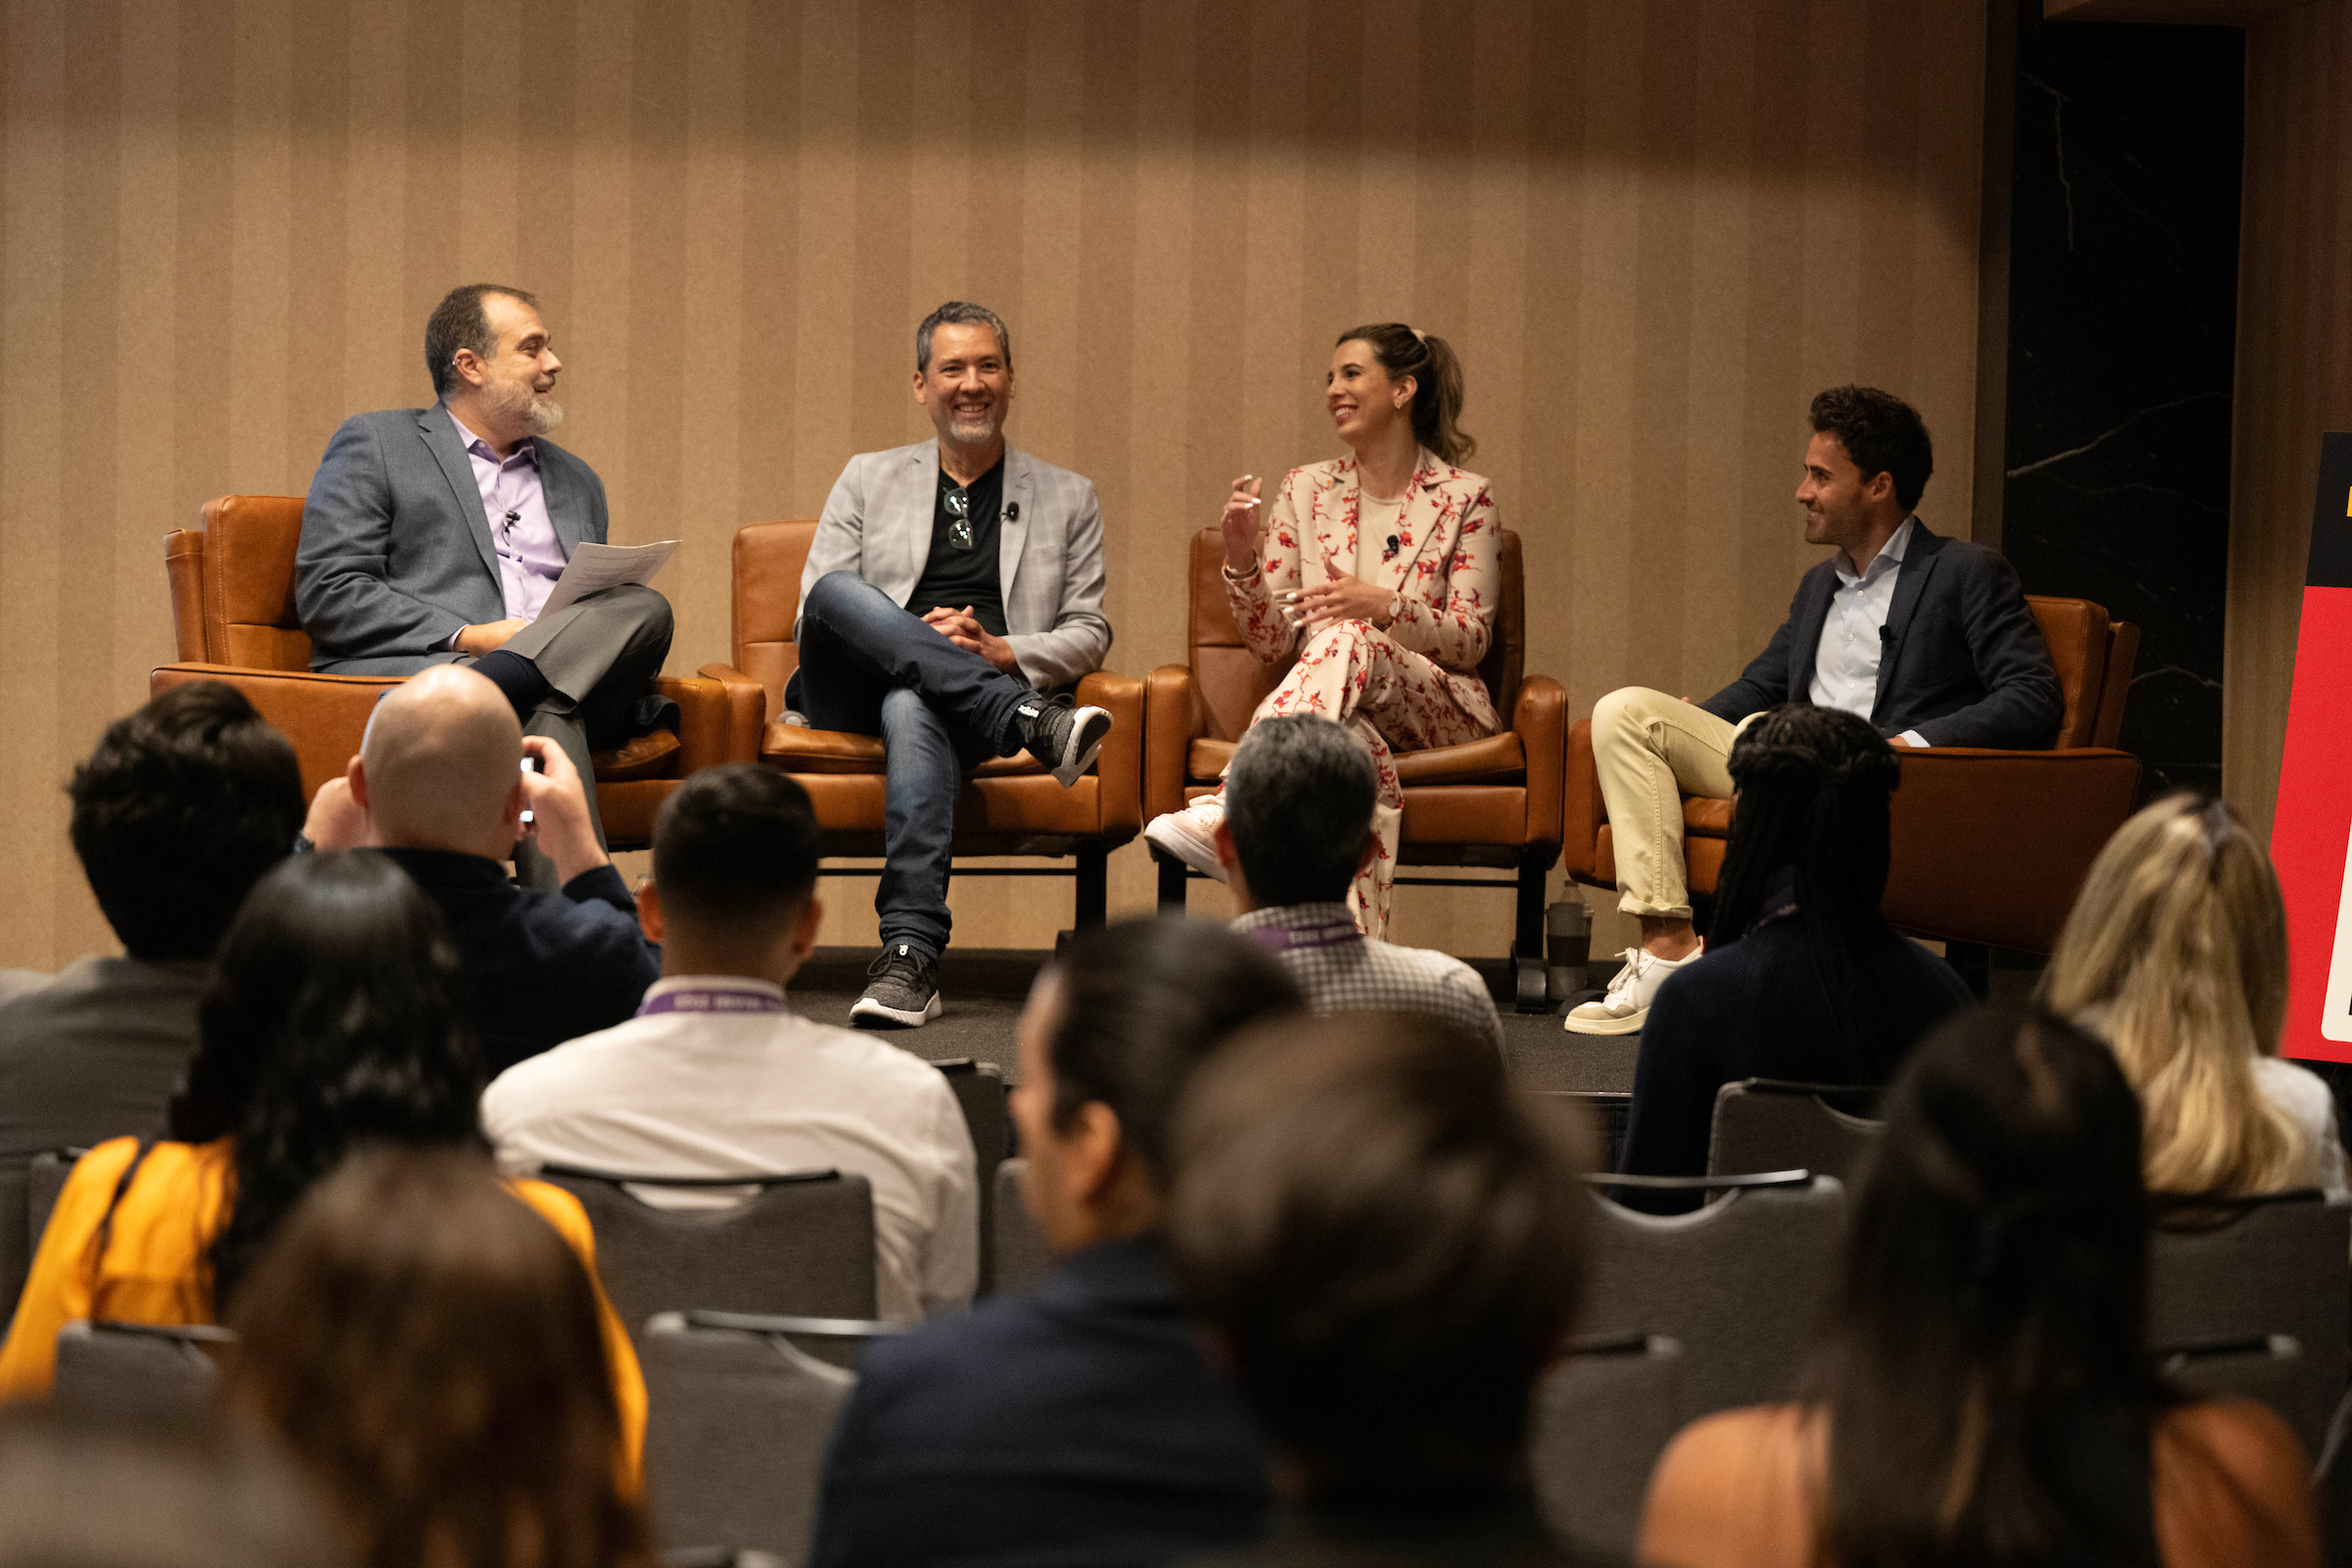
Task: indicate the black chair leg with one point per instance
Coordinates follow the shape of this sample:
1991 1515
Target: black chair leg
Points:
1527 938
1094 887
1171 884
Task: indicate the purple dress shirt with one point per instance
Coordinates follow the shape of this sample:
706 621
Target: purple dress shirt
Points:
530 558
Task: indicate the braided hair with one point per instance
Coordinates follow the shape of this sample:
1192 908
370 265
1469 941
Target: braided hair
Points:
1814 787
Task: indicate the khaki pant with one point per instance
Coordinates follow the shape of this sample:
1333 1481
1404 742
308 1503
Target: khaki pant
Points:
1650 751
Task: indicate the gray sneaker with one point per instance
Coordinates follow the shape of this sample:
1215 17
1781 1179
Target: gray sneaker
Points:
902 990
1063 738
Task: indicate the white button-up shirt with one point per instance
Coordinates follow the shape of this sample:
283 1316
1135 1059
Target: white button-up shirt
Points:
725 1092
1845 664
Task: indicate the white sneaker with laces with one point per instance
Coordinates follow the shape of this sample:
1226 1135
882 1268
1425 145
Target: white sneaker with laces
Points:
1622 1009
1190 835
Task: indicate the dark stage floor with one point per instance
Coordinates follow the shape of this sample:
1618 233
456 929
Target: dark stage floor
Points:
983 990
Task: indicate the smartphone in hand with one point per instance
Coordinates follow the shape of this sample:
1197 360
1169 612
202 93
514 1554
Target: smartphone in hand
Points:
530 764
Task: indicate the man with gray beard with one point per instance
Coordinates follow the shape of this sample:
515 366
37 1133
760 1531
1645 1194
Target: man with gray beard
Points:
434 536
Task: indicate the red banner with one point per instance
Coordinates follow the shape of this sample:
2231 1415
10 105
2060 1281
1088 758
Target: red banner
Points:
2311 834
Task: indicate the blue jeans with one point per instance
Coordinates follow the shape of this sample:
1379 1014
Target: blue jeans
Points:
870 668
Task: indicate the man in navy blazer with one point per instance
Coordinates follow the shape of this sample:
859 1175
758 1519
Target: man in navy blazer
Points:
1927 637
434 536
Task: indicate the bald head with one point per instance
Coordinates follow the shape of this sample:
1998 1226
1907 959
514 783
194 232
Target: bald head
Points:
440 766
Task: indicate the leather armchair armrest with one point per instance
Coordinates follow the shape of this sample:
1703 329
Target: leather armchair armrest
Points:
703 712
747 712
184 561
1992 846
1583 811
1541 718
1120 766
1171 722
324 716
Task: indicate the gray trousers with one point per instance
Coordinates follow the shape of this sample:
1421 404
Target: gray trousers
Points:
599 658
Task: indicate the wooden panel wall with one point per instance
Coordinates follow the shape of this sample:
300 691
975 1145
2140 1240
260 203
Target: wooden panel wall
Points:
1653 228
2294 368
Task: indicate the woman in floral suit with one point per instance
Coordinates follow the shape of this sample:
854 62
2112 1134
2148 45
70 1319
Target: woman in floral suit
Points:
1376 575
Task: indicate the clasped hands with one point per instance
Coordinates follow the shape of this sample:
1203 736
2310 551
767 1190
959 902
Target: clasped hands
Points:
1309 608
963 629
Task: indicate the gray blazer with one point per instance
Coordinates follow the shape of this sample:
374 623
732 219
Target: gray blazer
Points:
878 523
396 552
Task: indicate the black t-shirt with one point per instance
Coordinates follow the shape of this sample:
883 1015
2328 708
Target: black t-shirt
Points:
962 568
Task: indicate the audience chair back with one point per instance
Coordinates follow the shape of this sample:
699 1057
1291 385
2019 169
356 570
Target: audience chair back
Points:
18 1237
736 1429
137 1368
2280 1265
1768 1124
44 1183
805 1245
835 1341
1603 1418
2331 1480
1736 1283
980 1092
1021 1256
2268 1368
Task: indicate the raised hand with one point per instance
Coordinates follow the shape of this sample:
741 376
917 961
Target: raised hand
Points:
1242 524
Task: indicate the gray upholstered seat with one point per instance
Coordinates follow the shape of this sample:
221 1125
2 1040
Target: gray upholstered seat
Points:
804 1245
134 1367
1603 1418
1021 1256
1764 1124
1735 1282
2281 1264
736 1429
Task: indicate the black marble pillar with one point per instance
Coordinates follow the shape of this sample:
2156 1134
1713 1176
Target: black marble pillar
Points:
2123 306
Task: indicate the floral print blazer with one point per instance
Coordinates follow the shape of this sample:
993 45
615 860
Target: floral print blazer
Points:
1444 568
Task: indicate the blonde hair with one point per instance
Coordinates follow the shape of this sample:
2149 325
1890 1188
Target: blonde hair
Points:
2176 955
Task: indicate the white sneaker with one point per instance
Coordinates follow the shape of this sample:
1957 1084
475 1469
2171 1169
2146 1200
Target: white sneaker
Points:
1190 835
1624 1007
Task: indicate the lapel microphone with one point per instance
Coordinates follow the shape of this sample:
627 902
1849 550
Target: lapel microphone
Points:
1012 513
1392 544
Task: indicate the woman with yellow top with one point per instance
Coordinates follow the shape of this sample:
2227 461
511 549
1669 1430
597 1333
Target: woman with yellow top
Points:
331 1023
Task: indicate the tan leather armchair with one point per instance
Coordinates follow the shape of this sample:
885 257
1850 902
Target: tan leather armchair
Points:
1989 846
232 606
1492 803
1010 805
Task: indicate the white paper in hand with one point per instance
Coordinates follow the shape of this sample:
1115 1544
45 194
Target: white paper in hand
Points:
593 568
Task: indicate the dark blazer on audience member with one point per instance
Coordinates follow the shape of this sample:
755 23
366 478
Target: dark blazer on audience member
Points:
1754 1009
1074 1423
95 1054
1964 662
540 967
396 553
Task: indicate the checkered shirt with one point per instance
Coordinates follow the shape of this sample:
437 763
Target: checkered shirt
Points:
1368 976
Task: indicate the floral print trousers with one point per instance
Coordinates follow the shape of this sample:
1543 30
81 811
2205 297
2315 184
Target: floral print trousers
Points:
1389 698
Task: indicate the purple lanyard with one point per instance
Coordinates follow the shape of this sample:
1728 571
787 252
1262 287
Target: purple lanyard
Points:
1285 939
710 999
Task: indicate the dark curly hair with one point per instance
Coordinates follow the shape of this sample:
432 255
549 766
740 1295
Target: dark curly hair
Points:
1882 433
178 811
1815 792
332 1021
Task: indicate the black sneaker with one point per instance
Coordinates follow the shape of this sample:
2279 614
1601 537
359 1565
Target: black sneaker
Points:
1063 738
902 990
